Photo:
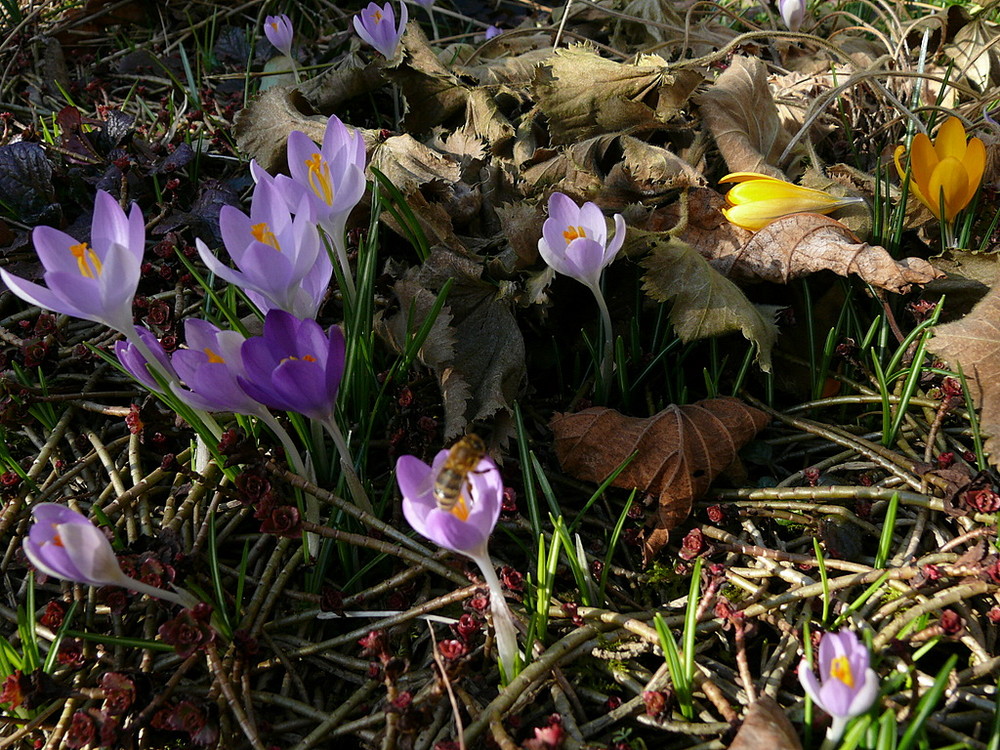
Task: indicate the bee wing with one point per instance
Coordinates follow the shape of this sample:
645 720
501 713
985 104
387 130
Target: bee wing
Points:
427 485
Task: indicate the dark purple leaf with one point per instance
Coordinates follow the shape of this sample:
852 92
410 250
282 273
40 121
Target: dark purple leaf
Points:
26 184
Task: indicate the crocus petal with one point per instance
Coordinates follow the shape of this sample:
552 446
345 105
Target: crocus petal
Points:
975 165
809 683
91 553
950 140
923 159
948 185
866 696
65 544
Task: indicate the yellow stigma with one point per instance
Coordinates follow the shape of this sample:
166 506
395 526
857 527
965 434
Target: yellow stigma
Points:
460 510
319 178
86 260
574 233
262 233
214 358
377 15
841 670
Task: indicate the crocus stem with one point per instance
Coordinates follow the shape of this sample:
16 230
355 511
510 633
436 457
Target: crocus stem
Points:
336 238
184 599
605 338
503 620
309 539
434 23
358 493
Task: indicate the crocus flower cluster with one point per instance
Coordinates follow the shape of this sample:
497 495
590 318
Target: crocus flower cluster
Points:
465 528
377 26
847 685
945 174
65 544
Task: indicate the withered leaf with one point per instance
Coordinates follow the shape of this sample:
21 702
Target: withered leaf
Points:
974 344
408 164
26 182
476 350
584 94
431 92
262 127
766 727
975 54
704 302
680 452
740 112
802 244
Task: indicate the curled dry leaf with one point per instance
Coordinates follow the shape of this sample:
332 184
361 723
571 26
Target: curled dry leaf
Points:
740 112
973 343
584 94
679 452
475 347
766 727
704 302
802 244
430 91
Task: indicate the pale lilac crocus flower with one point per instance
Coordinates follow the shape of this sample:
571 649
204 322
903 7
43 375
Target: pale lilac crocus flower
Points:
376 25
279 258
465 529
492 31
136 362
332 176
793 12
575 242
279 32
94 281
65 544
847 685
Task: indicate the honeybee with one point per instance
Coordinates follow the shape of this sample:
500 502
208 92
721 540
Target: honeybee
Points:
462 459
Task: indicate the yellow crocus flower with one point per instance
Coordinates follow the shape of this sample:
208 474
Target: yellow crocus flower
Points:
757 200
948 171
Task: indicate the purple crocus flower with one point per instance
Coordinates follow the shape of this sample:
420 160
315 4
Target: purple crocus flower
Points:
280 259
94 281
210 366
279 32
65 544
332 177
294 366
465 528
492 31
135 361
376 25
574 240
847 686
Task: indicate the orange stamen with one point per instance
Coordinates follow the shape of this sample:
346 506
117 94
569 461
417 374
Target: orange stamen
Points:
262 233
86 260
319 178
214 358
460 510
840 669
574 233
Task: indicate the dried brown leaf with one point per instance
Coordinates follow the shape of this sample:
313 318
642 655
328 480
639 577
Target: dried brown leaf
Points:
973 343
705 303
430 91
476 350
408 163
679 452
585 95
974 52
740 112
802 244
766 727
